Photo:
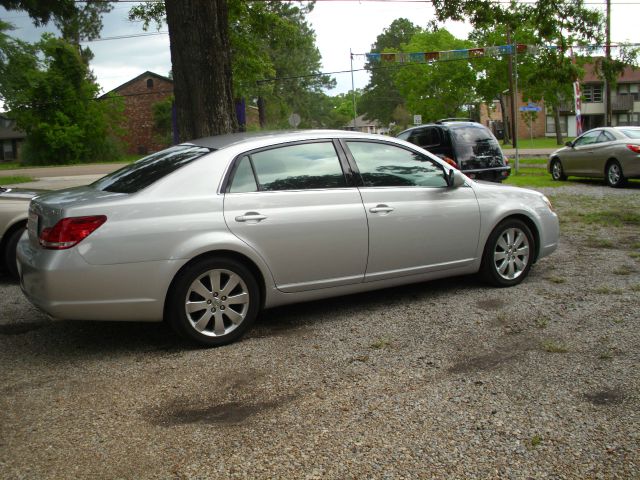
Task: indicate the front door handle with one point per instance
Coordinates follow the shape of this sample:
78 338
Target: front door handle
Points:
253 217
381 209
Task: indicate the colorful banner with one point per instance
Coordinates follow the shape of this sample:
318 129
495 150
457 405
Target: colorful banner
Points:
578 106
462 54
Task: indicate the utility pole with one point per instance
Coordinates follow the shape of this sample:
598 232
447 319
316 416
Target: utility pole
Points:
607 54
512 93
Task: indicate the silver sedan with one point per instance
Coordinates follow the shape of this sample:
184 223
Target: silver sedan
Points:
207 233
609 152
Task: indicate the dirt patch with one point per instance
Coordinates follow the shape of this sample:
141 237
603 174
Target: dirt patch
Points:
613 396
491 304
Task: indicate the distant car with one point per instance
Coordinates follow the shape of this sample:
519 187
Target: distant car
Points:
609 152
14 205
205 234
467 145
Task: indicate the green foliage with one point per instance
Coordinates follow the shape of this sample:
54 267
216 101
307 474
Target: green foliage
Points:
13 179
273 56
441 89
48 90
41 11
162 120
381 99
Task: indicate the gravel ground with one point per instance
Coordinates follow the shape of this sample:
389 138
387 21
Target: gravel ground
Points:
447 379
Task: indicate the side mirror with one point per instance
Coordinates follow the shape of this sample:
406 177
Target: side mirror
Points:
569 144
455 178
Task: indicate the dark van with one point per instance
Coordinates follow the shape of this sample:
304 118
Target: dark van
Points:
467 145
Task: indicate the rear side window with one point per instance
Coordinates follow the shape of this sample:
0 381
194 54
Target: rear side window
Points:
149 170
292 167
426 137
631 133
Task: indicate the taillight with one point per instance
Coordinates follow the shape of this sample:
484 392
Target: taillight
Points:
634 148
70 231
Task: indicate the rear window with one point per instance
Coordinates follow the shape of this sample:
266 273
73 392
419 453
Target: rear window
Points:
149 170
471 134
631 133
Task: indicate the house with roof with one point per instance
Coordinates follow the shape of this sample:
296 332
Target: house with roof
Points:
139 95
363 124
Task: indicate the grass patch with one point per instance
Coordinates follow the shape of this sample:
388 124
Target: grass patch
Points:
10 180
635 255
624 270
9 165
635 287
608 291
555 279
543 142
554 347
599 243
612 218
536 440
380 344
532 177
542 322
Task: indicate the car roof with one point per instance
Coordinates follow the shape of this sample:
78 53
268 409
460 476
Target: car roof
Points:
219 142
446 123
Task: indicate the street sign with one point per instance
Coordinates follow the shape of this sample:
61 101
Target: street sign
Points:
417 119
532 107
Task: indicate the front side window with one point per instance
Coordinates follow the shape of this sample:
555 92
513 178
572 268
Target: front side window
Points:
384 165
588 138
292 167
148 170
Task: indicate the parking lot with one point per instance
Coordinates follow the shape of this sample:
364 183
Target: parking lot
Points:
446 379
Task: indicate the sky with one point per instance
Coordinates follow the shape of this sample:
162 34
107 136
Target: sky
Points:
341 27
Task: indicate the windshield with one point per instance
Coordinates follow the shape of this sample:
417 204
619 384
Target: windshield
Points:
631 133
148 170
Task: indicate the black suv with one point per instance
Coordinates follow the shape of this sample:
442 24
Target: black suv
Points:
465 144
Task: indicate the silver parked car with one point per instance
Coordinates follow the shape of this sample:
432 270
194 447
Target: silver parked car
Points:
14 205
609 152
206 234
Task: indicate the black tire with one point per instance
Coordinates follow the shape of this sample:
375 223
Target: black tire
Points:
228 309
508 254
557 172
614 176
9 254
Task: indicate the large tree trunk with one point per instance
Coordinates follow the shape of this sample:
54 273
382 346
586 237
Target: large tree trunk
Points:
201 65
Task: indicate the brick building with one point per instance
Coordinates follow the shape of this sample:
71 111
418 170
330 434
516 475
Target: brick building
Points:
625 107
139 96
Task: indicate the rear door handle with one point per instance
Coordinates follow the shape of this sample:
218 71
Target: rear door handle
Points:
253 217
381 209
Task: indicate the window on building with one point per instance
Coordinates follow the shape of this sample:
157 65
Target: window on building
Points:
149 82
592 93
551 125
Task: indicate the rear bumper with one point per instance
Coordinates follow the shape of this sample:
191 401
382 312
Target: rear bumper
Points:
62 284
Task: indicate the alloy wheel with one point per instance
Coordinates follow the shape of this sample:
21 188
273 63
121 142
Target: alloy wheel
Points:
511 253
217 302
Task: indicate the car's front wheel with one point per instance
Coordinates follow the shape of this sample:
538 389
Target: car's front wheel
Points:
614 175
213 301
508 254
557 173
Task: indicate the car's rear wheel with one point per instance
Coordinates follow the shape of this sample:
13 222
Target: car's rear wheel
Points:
508 254
614 176
9 254
214 301
557 173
